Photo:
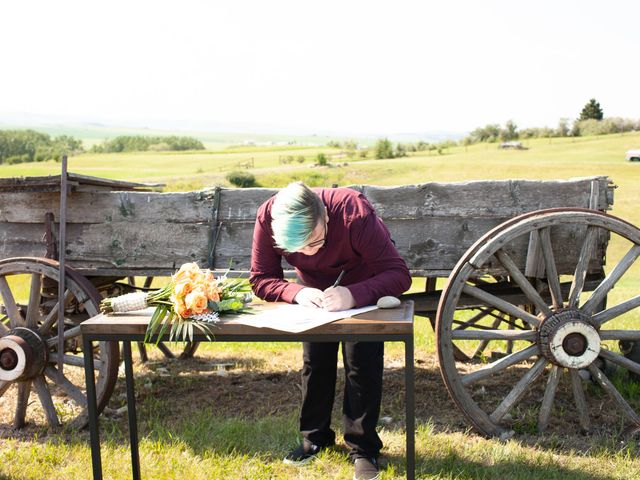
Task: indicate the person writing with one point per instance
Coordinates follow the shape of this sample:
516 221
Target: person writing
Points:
326 233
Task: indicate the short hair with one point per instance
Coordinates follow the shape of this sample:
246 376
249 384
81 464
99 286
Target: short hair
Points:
295 212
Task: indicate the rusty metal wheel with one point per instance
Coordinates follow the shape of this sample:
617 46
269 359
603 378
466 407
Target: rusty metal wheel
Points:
570 330
29 345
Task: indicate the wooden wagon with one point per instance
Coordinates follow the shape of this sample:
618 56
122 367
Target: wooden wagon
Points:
525 298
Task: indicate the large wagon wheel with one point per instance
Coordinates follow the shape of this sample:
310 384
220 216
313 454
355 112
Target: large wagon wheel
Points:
181 350
29 344
572 332
479 316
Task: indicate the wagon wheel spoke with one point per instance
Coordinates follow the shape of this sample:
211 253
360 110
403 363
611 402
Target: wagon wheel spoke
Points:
500 304
74 361
608 387
24 389
165 350
522 282
582 266
608 283
518 391
70 333
484 343
499 365
4 386
529 335
620 360
15 318
613 312
548 398
580 400
52 316
33 308
510 326
631 335
550 267
42 389
69 388
473 320
3 328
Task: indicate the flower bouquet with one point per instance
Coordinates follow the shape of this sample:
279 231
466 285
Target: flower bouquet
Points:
193 298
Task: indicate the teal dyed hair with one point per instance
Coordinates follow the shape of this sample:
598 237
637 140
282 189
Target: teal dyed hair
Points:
295 212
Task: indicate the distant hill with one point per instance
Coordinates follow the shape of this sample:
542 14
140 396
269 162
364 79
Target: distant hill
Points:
92 132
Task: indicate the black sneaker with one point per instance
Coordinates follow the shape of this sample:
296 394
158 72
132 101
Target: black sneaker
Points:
303 453
366 469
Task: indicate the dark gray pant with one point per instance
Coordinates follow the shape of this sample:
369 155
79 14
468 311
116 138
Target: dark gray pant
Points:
363 363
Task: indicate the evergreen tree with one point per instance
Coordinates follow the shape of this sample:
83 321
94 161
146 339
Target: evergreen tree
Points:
591 110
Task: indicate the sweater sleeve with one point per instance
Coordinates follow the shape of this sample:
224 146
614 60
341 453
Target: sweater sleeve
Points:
266 276
372 241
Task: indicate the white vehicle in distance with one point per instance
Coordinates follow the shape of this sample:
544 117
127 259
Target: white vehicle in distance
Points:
633 155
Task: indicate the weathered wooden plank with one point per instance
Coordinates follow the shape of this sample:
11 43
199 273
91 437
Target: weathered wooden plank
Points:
432 224
107 206
433 244
486 197
504 199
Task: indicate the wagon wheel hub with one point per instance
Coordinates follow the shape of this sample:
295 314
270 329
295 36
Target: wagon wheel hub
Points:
569 339
23 355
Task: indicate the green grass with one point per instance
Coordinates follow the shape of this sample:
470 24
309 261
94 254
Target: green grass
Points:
195 424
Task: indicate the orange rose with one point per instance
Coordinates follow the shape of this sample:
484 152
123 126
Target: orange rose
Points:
180 290
212 292
196 301
182 310
188 271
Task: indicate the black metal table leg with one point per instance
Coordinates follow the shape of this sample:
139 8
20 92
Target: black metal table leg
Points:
131 411
410 407
92 408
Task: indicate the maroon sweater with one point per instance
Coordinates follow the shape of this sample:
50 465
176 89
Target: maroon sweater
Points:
357 242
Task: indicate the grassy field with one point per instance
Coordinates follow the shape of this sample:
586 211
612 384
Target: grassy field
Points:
200 422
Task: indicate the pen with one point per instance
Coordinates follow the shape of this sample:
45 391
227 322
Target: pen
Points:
337 282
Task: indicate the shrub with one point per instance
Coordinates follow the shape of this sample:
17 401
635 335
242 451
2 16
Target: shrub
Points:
384 149
242 179
322 159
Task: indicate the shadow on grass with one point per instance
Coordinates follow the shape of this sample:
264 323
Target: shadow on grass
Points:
247 411
455 466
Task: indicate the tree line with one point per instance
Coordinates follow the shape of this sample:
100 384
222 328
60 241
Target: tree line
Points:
591 121
140 143
19 146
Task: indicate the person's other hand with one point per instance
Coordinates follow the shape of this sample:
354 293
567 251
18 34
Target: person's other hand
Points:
309 297
337 298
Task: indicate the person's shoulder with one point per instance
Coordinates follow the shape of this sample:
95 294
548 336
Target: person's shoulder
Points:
351 203
264 210
340 194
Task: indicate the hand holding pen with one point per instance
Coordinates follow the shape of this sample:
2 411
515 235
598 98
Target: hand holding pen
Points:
337 298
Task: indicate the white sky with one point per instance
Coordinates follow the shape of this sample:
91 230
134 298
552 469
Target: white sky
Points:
324 66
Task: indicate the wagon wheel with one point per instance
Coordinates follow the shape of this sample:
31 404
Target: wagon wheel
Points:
181 350
29 345
482 317
572 333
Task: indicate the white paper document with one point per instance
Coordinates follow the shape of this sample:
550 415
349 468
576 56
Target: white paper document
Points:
295 318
